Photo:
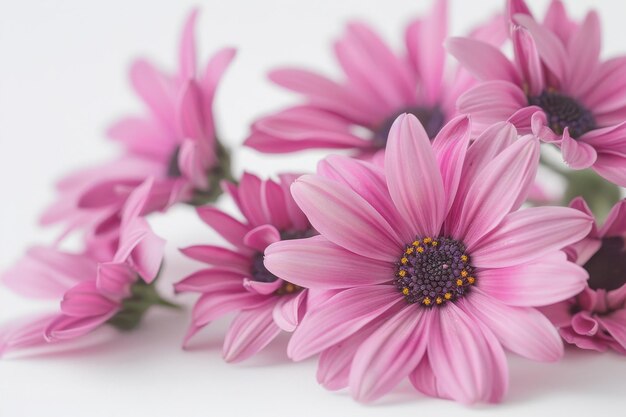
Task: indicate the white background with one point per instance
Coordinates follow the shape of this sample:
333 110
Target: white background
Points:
63 67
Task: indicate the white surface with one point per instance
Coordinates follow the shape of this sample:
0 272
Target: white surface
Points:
63 78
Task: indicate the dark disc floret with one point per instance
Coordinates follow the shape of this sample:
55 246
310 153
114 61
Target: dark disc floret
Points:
563 111
434 271
607 267
432 118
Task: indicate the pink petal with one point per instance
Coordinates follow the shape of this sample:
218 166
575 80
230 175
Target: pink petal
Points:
424 41
503 185
577 154
250 331
339 317
84 300
211 306
261 237
218 256
611 167
67 327
491 102
24 334
249 198
521 330
194 165
527 59
264 288
615 324
543 281
615 223
466 357
187 58
333 370
213 73
450 147
48 273
550 48
114 279
273 199
530 234
413 177
483 60
228 227
210 280
390 353
156 90
583 51
424 380
584 324
345 218
296 216
318 263
369 182
190 116
557 21
289 310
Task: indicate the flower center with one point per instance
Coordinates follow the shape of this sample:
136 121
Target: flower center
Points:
260 272
431 272
563 111
173 170
432 118
607 267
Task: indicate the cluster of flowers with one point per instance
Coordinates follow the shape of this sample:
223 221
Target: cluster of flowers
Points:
419 255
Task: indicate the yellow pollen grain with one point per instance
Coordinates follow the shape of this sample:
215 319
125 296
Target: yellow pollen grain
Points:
439 300
405 291
426 301
464 273
420 249
427 240
459 282
464 258
447 296
435 243
402 272
404 261
416 243
289 288
409 251
471 280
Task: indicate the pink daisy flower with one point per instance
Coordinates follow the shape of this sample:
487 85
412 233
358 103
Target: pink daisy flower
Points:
379 86
175 143
437 267
92 293
596 318
237 279
577 99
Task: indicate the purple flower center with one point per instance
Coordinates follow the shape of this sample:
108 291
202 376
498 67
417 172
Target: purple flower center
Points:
433 271
261 274
563 111
432 118
173 170
607 267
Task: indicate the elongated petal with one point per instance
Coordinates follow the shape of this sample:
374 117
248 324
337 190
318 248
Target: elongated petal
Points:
345 218
85 300
413 176
250 332
390 353
527 59
583 51
530 234
615 324
577 154
211 306
521 330
490 198
546 280
218 256
484 61
339 317
289 310
187 54
467 359
211 280
318 263
68 327
228 227
261 237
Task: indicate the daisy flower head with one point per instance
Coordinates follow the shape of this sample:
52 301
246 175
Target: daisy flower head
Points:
437 269
237 280
175 143
596 317
91 292
557 85
379 85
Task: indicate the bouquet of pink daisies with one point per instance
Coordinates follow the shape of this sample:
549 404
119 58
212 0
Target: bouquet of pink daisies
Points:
425 245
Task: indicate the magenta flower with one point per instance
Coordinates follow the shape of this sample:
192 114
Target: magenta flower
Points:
92 293
237 279
437 267
175 143
596 318
379 86
557 72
